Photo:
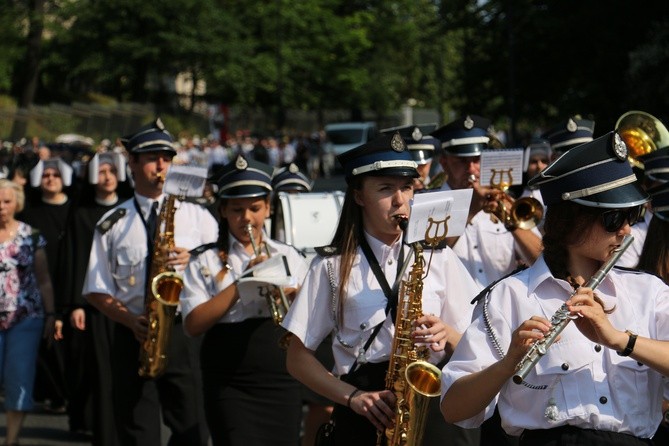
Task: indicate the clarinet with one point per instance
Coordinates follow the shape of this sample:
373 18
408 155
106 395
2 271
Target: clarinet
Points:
562 316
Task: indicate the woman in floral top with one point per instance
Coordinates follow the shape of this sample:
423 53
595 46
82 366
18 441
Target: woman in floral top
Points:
26 307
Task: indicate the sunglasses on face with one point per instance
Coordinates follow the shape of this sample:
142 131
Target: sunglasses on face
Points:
51 174
615 219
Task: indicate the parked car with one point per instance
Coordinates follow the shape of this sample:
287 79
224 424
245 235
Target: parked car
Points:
343 136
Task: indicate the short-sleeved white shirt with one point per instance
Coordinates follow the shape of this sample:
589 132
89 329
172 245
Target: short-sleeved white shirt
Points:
591 386
447 292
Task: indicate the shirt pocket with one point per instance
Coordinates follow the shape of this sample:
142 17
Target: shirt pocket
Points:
128 265
359 322
573 358
630 377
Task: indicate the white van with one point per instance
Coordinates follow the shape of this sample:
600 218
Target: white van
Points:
343 136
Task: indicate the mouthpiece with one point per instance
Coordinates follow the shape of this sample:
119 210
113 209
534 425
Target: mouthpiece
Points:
402 221
471 178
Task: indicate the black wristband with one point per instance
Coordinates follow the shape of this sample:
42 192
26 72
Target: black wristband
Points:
350 397
630 344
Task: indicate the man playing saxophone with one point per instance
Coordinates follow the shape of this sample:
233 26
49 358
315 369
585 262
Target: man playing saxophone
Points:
351 291
116 283
601 382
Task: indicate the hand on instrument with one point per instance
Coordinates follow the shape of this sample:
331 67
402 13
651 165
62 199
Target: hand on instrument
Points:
430 330
140 328
523 337
254 261
178 258
377 407
592 321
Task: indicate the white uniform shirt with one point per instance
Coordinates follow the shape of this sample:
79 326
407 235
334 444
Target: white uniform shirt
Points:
201 284
630 258
448 290
117 263
591 386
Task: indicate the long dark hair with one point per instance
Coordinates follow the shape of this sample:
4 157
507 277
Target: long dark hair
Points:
654 256
347 237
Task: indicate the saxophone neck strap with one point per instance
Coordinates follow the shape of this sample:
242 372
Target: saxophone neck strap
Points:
390 293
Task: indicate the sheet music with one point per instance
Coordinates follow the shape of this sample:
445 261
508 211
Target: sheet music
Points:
450 207
502 165
185 181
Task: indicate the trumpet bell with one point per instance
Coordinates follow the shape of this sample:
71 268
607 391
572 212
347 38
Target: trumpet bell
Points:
643 133
526 212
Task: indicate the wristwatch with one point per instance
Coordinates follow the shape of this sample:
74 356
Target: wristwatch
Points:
630 344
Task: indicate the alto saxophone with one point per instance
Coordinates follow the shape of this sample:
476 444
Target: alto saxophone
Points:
410 376
162 296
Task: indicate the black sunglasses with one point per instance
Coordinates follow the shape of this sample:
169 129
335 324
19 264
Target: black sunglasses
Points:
615 219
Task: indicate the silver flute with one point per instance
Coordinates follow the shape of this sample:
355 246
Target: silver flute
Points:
562 316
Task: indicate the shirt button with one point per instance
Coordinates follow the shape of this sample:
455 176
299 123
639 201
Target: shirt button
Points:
480 270
640 364
390 261
476 246
565 366
603 399
598 348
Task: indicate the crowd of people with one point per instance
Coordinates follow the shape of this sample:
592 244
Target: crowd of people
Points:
78 243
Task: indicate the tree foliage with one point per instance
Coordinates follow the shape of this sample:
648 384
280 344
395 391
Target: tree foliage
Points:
524 63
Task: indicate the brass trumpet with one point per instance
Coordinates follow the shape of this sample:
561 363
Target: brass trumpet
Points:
524 213
276 298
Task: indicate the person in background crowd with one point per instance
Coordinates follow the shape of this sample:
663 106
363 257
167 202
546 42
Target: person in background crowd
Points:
602 381
90 332
489 249
568 134
26 308
249 396
290 180
347 295
115 285
50 212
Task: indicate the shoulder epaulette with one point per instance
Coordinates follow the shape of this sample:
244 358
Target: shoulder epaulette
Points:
201 201
106 224
489 288
202 248
326 251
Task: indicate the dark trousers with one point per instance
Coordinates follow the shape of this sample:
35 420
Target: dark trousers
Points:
574 436
137 401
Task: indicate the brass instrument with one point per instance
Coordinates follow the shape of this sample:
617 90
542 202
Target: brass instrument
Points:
276 299
162 296
413 380
643 133
437 181
561 317
525 212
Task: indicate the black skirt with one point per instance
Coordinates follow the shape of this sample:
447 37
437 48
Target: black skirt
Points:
250 399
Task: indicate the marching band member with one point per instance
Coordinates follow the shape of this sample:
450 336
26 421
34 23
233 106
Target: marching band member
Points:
568 134
489 250
115 285
601 382
250 399
351 286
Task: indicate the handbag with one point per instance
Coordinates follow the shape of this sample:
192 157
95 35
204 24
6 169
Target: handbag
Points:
325 434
